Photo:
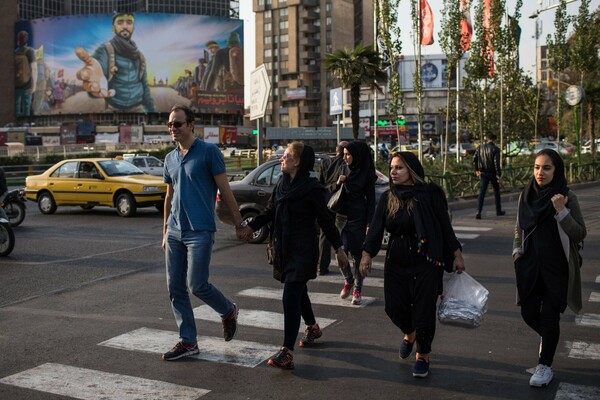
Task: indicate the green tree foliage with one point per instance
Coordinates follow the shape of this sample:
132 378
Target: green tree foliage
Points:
354 68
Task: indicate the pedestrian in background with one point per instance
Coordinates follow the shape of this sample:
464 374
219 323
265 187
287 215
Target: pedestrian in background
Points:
358 206
297 202
548 232
487 168
331 169
422 245
193 171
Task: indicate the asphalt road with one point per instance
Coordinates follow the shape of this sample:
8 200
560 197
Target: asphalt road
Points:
84 296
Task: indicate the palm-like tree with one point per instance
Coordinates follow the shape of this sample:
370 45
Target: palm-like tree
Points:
354 68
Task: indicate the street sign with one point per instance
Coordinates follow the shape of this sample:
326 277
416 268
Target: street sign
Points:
260 88
335 101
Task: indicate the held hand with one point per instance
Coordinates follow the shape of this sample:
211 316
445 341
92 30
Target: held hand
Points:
459 262
93 80
341 179
244 233
559 202
516 256
478 173
365 264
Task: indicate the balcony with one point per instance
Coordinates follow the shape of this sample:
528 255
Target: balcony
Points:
309 14
310 109
309 55
309 28
309 41
309 68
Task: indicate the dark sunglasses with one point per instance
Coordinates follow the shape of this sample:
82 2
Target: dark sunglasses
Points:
176 124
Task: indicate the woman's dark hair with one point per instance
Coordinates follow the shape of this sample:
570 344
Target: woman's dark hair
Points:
557 161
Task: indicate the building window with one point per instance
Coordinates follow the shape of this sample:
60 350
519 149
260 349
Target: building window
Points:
268 27
283 38
267 53
283 12
283 25
267 39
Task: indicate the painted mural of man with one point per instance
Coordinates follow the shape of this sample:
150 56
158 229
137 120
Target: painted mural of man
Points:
225 72
116 71
25 75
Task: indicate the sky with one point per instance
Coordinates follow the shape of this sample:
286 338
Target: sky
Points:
526 48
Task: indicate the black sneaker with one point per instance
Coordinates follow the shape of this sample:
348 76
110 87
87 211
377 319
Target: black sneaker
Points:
181 350
230 324
500 213
284 359
421 368
323 272
310 334
406 348
478 216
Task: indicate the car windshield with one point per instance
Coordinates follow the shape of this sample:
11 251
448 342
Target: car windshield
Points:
119 168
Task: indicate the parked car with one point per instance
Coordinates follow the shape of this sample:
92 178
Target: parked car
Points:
518 148
253 191
149 164
466 149
587 148
90 182
564 148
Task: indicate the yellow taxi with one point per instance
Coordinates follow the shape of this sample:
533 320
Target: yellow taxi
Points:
90 182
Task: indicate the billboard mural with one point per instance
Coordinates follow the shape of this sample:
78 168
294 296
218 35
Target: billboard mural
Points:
131 63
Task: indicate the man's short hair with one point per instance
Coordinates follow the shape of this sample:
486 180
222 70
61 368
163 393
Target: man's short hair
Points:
491 136
189 113
123 14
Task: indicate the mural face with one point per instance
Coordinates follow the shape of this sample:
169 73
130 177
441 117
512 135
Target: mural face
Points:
130 63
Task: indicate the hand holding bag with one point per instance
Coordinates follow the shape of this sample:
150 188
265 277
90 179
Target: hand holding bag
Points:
335 202
464 301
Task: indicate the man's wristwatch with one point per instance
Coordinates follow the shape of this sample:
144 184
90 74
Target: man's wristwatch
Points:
242 225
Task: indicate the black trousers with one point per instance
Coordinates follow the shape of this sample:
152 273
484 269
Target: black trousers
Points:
411 294
296 304
542 315
484 180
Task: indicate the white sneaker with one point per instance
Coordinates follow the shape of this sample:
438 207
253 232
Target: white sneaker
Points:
542 376
356 298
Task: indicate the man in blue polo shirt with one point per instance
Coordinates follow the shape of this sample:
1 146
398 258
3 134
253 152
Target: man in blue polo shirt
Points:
193 173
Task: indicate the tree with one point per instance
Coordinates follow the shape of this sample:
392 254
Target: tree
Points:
585 60
558 52
355 68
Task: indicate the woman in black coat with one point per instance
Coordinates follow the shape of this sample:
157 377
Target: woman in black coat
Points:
422 244
298 200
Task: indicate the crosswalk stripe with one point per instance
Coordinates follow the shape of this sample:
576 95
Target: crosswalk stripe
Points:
467 235
594 297
374 265
256 318
598 279
327 299
87 384
339 279
583 350
588 320
568 391
238 352
471 228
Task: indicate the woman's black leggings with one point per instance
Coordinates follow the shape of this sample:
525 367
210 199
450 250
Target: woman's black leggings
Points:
296 304
540 313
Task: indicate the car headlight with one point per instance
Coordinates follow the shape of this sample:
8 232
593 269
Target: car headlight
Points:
151 189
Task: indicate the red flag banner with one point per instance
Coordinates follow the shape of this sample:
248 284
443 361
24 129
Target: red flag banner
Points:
426 24
486 24
466 27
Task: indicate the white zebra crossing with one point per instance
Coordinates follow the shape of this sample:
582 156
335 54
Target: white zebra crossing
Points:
591 320
255 318
567 391
583 350
339 279
327 299
237 352
88 384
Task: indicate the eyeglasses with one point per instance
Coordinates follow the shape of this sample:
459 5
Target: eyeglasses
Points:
176 124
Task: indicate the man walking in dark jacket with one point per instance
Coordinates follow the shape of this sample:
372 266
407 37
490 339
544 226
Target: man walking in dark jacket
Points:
331 169
487 167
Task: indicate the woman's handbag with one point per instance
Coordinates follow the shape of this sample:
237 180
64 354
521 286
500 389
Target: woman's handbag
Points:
464 301
336 200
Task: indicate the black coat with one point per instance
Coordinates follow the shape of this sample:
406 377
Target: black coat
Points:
296 242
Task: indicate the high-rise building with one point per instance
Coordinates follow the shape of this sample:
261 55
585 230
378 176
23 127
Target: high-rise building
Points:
12 11
292 37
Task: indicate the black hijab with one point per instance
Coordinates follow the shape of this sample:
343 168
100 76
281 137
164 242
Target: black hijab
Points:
430 237
362 169
288 188
535 204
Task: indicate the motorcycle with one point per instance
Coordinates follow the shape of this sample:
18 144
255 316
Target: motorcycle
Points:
7 238
14 206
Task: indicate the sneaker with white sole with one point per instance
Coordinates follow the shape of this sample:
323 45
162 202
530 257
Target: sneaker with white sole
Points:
356 298
181 350
346 290
542 376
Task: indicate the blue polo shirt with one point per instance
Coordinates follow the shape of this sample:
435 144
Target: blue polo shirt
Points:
194 187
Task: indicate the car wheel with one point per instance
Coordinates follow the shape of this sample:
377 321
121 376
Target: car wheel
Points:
260 235
88 207
126 206
46 203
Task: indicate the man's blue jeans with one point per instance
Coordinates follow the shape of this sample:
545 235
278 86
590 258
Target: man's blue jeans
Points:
485 179
23 98
187 259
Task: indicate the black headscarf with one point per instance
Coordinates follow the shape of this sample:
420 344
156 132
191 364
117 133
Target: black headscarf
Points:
535 204
429 232
125 47
288 188
362 169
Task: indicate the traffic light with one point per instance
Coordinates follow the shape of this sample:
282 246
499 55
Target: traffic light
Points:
255 132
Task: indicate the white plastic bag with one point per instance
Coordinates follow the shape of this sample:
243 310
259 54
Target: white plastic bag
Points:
464 301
